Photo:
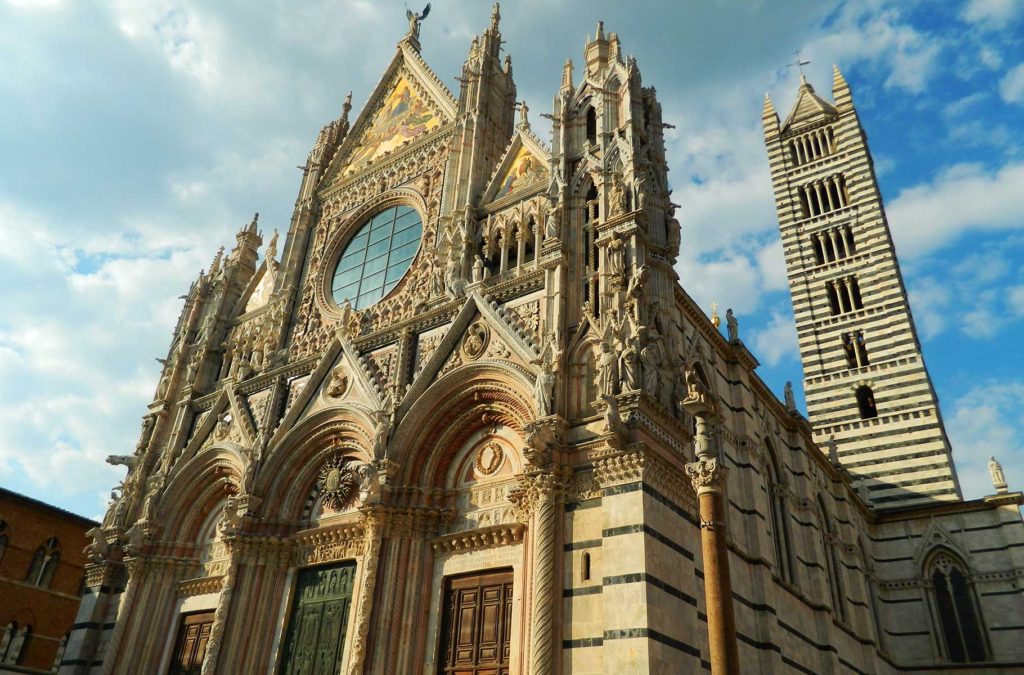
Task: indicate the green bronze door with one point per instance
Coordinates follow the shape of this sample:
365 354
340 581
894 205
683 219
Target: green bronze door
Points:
315 641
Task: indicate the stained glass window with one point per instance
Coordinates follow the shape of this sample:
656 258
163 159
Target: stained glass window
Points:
377 257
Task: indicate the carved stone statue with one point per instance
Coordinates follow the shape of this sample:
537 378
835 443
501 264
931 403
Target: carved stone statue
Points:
608 371
995 471
123 460
454 284
833 450
636 283
616 255
369 483
651 357
381 431
543 389
414 20
629 367
612 419
98 549
229 520
551 224
154 490
673 235
787 394
478 268
732 325
617 200
339 382
136 539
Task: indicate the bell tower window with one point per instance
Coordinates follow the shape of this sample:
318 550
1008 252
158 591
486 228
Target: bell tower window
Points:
866 402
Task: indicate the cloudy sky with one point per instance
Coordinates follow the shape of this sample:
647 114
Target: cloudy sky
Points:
137 137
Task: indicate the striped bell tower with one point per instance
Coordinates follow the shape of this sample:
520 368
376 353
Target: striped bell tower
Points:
867 387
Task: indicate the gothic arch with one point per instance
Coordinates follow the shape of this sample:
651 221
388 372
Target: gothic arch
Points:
451 410
198 487
956 615
287 478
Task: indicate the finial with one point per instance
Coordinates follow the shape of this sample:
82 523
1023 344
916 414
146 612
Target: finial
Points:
600 30
252 226
799 63
567 74
215 265
346 107
716 320
768 108
508 64
271 253
523 119
495 15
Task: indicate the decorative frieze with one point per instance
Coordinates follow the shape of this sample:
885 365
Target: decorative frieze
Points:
487 537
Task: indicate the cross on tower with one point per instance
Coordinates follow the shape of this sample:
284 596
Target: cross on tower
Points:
798 63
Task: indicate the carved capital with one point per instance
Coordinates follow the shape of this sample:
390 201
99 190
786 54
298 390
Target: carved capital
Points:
707 475
535 490
543 436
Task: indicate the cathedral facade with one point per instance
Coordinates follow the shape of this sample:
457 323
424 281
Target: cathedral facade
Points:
466 420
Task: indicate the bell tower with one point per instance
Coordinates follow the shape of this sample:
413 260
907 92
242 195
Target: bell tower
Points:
867 388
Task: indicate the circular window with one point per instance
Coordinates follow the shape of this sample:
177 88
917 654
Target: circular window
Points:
377 257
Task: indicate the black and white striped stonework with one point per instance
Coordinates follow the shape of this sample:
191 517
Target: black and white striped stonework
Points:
864 374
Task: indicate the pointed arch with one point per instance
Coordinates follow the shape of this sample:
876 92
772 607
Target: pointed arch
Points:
954 607
198 487
833 572
451 410
778 511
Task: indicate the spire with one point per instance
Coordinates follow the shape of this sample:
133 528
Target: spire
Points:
495 16
600 31
567 76
769 118
809 107
255 222
841 93
215 265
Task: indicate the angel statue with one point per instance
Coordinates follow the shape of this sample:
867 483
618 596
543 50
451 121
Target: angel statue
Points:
414 20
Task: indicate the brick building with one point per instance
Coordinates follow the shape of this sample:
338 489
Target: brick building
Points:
41 565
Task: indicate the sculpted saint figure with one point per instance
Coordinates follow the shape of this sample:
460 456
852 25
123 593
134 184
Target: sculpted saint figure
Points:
787 394
995 472
616 255
453 279
732 325
651 357
608 371
543 389
551 224
629 367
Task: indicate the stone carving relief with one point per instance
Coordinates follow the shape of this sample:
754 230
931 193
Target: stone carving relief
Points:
339 382
476 340
337 483
489 459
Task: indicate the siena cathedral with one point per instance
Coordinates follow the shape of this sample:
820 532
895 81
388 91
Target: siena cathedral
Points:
464 420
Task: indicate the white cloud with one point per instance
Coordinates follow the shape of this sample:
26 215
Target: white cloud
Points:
1015 299
986 421
777 340
962 198
1011 87
993 12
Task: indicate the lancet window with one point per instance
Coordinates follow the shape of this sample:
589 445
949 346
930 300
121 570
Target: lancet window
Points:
824 196
832 245
855 349
956 609
779 514
812 145
12 642
44 563
834 574
843 295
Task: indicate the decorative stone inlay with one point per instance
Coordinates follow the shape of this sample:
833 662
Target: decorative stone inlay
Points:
337 543
475 343
489 459
201 586
337 482
498 535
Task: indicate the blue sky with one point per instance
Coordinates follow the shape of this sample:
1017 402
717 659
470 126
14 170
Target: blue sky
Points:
137 137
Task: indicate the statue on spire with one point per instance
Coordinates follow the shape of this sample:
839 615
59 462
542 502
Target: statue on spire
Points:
414 20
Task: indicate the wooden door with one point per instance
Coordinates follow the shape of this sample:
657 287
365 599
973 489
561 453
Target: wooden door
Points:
190 648
477 630
315 641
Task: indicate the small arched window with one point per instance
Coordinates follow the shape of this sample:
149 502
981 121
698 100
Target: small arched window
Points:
866 402
12 642
591 124
44 563
585 567
956 609
779 514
